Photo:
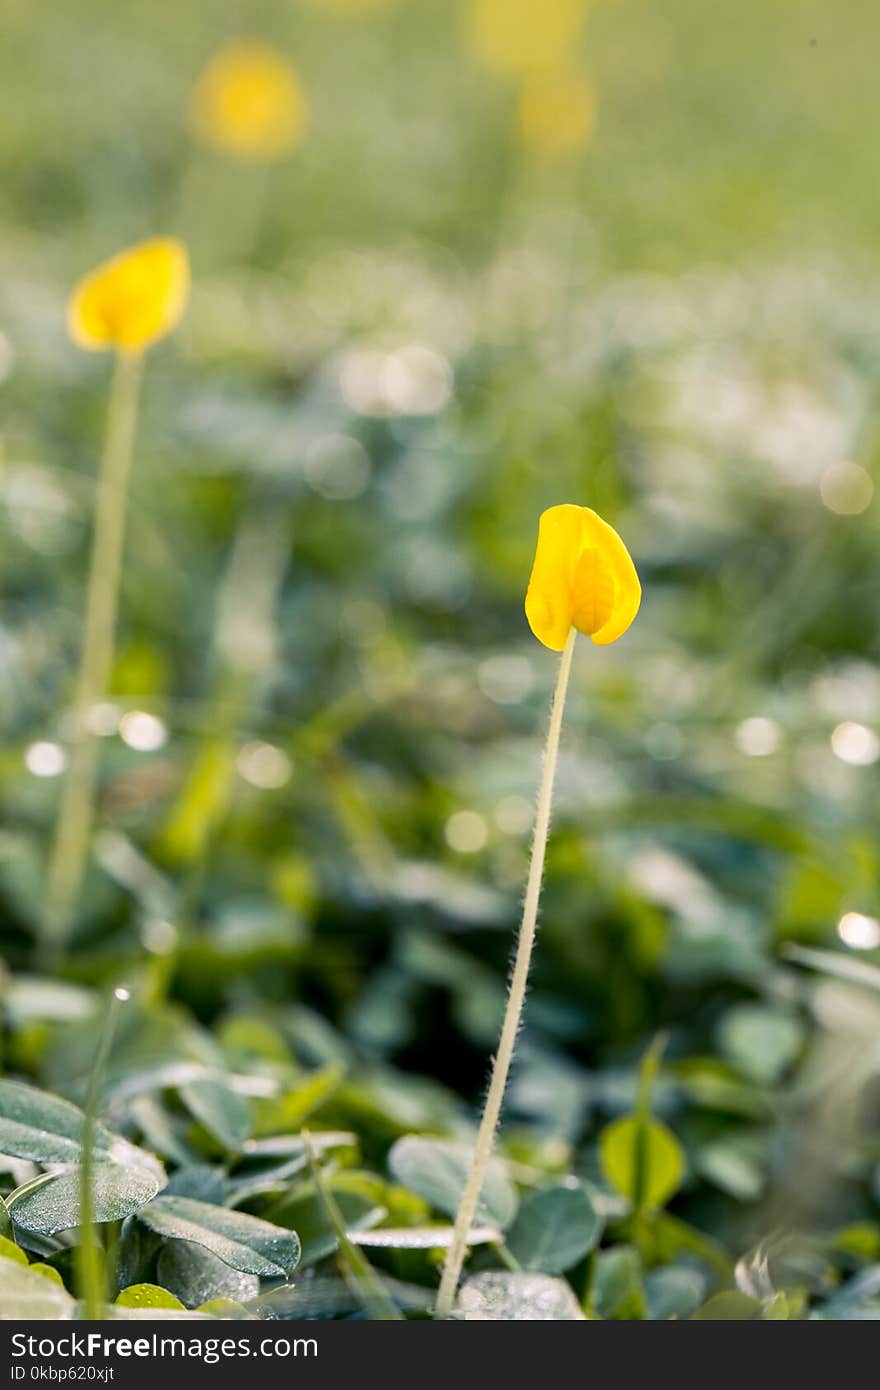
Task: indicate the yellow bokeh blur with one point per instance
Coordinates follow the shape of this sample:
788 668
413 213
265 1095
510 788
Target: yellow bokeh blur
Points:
518 36
557 112
132 300
250 102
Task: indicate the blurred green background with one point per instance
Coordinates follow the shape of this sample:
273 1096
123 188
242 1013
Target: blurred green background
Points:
322 741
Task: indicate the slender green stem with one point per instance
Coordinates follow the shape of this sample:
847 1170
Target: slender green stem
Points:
76 809
89 1264
515 999
356 1268
648 1072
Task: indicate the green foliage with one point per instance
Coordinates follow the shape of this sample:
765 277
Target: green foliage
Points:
398 352
618 1291
224 1113
10 1251
239 1240
436 1170
554 1229
762 1042
146 1296
642 1159
51 1202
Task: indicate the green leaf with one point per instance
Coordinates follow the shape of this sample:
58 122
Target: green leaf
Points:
643 1160
147 1296
114 1312
304 1212
436 1169
295 1106
728 1307
762 1042
242 1241
223 1112
197 1276
46 1129
10 1251
200 1181
290 1145
735 1164
554 1228
617 1285
835 963
35 998
52 1202
41 1127
674 1292
26 1294
501 1297
227 1308
858 1298
667 1238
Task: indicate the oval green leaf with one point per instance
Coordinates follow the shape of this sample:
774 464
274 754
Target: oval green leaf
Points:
239 1240
223 1112
554 1229
436 1170
662 1160
52 1203
147 1296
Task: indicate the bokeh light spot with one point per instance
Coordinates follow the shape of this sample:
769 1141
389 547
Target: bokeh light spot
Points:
846 489
264 765
45 759
144 732
466 832
855 744
758 737
859 931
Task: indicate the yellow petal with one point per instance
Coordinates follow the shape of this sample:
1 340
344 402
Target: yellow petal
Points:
582 577
628 590
249 102
133 299
549 604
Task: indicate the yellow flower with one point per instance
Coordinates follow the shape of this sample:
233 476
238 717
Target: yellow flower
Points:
249 102
583 577
132 300
557 112
515 36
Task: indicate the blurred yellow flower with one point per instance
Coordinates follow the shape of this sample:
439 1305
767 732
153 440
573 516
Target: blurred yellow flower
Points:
557 112
132 300
515 36
249 102
583 577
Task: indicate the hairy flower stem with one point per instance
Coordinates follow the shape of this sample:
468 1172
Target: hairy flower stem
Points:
515 1000
89 1263
77 804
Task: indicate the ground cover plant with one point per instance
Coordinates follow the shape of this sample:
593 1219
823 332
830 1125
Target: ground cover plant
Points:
428 270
